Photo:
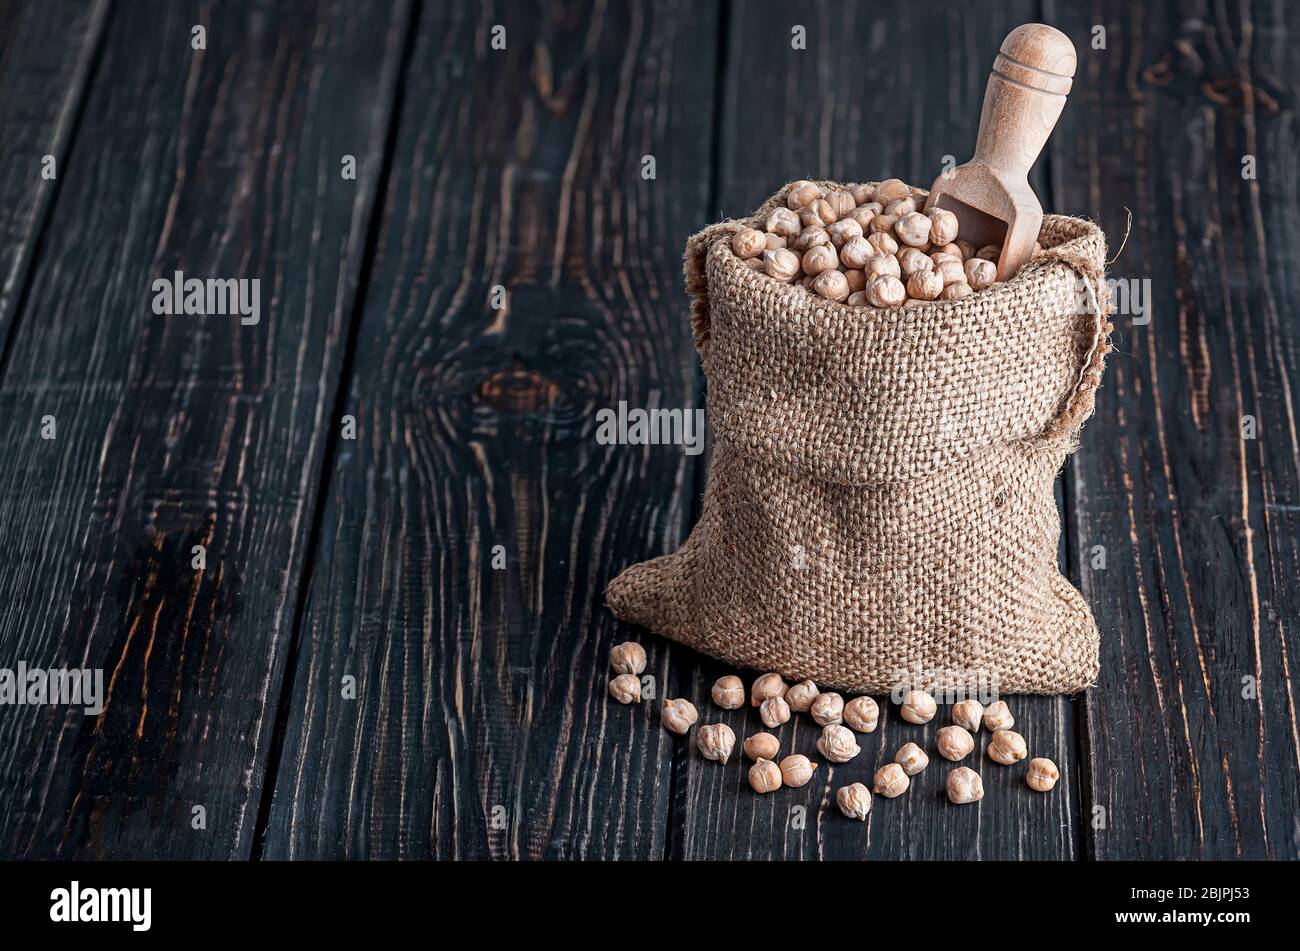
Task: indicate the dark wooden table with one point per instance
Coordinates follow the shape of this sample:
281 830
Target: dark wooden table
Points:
479 726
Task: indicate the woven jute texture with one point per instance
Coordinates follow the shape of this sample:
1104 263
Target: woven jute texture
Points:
879 507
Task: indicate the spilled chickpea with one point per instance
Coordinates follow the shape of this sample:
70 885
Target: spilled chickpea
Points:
776 702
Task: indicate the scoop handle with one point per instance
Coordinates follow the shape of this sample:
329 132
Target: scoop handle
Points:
1026 92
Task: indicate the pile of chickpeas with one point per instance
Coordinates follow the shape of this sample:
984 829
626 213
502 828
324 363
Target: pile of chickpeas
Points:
776 702
868 245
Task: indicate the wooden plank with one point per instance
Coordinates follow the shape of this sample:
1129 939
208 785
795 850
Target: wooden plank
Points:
482 726
1200 526
45 55
874 95
179 431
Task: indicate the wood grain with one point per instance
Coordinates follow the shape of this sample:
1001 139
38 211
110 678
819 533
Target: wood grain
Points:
864 101
1200 526
481 725
174 432
46 50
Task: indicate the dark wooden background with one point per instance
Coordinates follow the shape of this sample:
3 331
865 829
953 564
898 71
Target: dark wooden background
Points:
481 692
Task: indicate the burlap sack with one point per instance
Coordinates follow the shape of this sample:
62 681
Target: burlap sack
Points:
879 503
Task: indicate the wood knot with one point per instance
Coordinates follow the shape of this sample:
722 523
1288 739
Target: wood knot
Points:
518 391
1240 95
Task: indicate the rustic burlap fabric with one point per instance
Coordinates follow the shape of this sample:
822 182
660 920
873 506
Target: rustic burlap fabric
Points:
879 508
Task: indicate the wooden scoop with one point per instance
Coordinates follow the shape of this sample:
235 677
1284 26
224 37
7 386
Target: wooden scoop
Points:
990 194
